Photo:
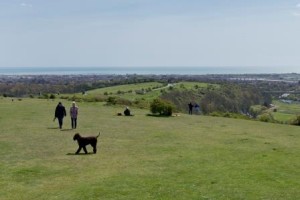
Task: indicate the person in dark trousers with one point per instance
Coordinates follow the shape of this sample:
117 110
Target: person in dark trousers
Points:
60 113
190 108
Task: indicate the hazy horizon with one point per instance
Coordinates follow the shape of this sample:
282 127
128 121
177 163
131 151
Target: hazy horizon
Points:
142 70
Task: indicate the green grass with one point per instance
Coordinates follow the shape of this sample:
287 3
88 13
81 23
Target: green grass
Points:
130 87
283 117
152 90
143 157
286 112
293 108
194 85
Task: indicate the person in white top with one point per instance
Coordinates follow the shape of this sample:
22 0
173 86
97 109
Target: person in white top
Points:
74 114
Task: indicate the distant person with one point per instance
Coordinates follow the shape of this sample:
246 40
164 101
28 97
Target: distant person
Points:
73 114
60 113
127 111
197 108
190 108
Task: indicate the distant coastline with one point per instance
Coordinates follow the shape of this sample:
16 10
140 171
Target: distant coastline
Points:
141 70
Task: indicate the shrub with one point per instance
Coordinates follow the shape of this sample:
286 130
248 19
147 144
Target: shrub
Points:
122 101
296 121
171 88
120 92
52 96
112 100
266 117
161 107
116 100
45 96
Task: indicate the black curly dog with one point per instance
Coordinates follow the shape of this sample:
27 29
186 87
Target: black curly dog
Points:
83 141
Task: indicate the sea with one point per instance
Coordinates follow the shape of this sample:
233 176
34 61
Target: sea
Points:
142 70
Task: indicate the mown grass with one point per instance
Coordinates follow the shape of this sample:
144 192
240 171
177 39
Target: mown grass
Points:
143 157
292 108
128 91
194 85
286 112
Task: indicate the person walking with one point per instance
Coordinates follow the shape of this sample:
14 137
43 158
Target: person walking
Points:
60 113
73 114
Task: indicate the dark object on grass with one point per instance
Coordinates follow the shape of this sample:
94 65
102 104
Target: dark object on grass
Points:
83 141
127 112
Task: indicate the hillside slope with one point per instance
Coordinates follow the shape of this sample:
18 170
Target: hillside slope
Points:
143 157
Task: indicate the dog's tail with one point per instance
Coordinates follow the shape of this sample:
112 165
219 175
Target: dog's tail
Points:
98 135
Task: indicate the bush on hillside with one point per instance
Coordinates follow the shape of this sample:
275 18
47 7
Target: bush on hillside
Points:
161 107
266 117
296 121
117 100
52 96
111 100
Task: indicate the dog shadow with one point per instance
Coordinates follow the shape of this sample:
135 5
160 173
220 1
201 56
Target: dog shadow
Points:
52 128
79 154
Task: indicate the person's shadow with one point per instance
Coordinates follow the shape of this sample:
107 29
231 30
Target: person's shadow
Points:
52 128
79 154
66 129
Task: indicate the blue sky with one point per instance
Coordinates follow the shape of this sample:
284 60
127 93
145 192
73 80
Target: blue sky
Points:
150 33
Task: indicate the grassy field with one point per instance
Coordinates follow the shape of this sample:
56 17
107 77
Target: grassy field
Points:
151 90
128 91
143 157
286 112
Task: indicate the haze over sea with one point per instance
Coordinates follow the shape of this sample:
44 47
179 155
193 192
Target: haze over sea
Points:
142 70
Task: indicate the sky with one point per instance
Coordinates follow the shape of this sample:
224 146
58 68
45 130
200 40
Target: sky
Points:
68 33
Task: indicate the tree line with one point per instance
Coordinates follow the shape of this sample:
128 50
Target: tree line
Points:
226 98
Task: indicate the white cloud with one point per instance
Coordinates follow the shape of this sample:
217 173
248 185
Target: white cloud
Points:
25 5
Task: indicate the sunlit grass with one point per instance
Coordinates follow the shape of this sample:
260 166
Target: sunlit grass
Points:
285 111
143 157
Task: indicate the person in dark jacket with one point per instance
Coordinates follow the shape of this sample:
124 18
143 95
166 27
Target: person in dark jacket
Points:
127 112
190 108
60 113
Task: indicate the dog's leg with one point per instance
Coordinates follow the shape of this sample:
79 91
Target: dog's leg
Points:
94 148
79 149
84 148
